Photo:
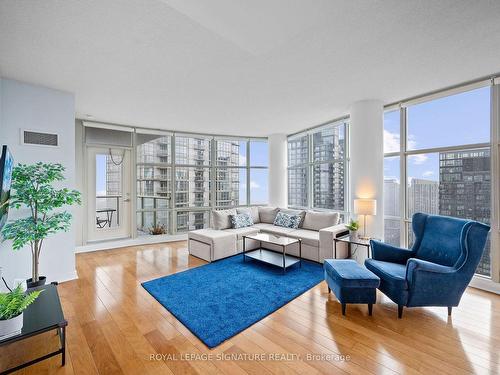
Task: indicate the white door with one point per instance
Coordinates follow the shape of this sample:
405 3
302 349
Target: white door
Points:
109 187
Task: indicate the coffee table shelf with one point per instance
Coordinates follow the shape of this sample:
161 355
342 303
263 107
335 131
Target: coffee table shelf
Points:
276 258
272 257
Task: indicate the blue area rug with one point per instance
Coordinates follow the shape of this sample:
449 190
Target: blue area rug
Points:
218 300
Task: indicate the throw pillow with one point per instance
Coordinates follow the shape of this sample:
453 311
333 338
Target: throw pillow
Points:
241 220
267 214
253 211
221 219
292 212
287 221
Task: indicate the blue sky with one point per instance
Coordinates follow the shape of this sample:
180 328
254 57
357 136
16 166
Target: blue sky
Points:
100 181
454 120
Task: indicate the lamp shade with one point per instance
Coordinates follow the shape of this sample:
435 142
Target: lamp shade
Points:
365 206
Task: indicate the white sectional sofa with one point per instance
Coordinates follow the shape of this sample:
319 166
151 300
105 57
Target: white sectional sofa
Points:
316 230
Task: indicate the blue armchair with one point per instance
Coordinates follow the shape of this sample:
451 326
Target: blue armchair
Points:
439 266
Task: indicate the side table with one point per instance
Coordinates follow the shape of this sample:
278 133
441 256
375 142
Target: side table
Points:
350 240
43 315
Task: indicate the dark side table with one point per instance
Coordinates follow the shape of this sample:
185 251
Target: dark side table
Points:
350 240
43 315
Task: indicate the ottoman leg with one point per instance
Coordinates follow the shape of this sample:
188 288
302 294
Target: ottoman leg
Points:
370 309
329 290
343 308
400 311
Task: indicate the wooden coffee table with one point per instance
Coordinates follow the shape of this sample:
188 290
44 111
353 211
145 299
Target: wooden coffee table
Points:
269 256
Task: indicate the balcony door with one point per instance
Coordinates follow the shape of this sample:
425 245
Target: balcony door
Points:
108 189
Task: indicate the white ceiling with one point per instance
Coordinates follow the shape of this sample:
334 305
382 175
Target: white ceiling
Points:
247 67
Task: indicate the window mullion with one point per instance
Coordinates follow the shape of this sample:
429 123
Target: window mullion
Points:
248 197
403 188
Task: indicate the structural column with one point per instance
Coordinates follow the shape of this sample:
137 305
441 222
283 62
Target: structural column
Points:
367 159
278 179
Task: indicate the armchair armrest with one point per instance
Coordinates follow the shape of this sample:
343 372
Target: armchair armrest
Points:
432 284
388 253
418 265
326 236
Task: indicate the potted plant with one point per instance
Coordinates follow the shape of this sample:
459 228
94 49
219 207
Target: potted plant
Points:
12 305
353 227
32 188
157 230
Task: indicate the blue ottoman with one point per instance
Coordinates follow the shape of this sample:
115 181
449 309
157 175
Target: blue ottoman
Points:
351 282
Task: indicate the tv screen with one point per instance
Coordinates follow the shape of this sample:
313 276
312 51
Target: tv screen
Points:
6 164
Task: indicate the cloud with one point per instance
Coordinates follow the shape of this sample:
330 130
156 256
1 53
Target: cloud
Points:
243 159
412 143
254 185
418 159
391 141
428 174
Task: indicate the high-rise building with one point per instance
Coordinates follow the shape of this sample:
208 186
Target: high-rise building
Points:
391 212
192 170
325 170
465 190
391 197
297 175
423 196
328 178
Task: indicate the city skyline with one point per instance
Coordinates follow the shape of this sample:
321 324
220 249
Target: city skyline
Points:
462 175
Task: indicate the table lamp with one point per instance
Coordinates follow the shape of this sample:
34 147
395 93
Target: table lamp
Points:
365 207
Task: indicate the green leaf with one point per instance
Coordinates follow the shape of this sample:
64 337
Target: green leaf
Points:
14 303
32 188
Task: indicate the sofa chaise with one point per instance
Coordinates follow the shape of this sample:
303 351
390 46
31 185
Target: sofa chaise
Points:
316 230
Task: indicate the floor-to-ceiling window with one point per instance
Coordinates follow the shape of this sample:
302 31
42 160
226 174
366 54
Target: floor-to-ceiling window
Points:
154 180
438 161
180 178
317 168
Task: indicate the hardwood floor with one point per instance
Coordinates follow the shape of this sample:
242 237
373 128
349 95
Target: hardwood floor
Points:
116 327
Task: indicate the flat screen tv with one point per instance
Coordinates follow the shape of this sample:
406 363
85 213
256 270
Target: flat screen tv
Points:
6 164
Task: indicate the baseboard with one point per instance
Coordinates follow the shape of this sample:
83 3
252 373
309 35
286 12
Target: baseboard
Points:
484 283
66 277
146 240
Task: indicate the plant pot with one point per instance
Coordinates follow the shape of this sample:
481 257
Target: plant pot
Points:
11 327
40 282
353 233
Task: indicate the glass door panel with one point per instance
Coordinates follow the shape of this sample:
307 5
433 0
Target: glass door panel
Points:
108 193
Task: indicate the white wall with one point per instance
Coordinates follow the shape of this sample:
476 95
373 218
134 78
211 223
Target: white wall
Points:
278 178
26 106
367 159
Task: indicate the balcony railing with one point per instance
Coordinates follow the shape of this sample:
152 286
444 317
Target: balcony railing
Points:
107 214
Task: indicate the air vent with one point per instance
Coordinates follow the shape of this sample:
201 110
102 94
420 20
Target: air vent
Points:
40 139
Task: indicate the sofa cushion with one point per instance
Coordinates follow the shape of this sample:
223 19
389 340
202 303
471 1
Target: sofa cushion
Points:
241 220
253 211
267 214
308 237
240 232
347 273
221 219
319 220
393 275
270 228
287 221
212 236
